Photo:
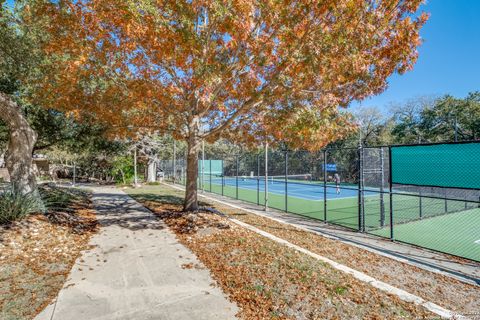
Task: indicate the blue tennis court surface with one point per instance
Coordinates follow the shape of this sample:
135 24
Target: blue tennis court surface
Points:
303 190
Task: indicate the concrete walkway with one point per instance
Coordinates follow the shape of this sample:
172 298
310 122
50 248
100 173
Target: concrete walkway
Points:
135 271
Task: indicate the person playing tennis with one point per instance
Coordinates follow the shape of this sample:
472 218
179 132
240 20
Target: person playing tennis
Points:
337 182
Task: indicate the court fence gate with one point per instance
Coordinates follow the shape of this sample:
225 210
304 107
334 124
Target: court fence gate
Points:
426 195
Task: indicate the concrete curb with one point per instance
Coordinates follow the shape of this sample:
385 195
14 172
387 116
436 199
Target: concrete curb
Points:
403 295
424 266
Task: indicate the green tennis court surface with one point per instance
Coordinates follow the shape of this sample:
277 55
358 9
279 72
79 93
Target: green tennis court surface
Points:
427 231
430 233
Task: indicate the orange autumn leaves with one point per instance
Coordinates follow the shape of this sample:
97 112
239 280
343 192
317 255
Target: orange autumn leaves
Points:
244 70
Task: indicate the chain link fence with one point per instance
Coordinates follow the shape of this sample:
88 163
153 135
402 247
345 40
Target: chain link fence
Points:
354 188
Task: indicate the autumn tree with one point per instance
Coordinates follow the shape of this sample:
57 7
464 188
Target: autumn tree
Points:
249 70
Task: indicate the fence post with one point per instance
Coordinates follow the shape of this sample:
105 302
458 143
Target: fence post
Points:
236 176
325 185
266 176
420 203
390 191
360 189
174 162
382 183
203 166
210 175
286 181
223 176
258 179
362 153
446 201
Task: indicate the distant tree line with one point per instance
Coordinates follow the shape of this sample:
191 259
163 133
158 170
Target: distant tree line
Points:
418 120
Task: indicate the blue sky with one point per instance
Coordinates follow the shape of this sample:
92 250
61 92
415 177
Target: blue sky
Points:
449 59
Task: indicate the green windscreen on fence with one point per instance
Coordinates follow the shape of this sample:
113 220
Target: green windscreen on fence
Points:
211 167
442 165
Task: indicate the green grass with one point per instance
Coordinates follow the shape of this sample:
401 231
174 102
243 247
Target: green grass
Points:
453 233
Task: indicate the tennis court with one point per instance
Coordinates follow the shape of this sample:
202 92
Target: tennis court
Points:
295 187
430 233
435 189
306 198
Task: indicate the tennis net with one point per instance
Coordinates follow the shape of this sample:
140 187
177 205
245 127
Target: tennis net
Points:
293 178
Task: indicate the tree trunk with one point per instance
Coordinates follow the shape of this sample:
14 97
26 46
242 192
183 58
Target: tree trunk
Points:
123 177
22 138
151 170
191 203
2 159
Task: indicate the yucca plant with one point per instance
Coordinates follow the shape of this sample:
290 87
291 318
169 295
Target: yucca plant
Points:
15 205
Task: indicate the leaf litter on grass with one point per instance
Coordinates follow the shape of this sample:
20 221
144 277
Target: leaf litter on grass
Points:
446 291
37 253
268 280
441 289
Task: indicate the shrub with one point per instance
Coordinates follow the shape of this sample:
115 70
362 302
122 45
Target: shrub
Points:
14 205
